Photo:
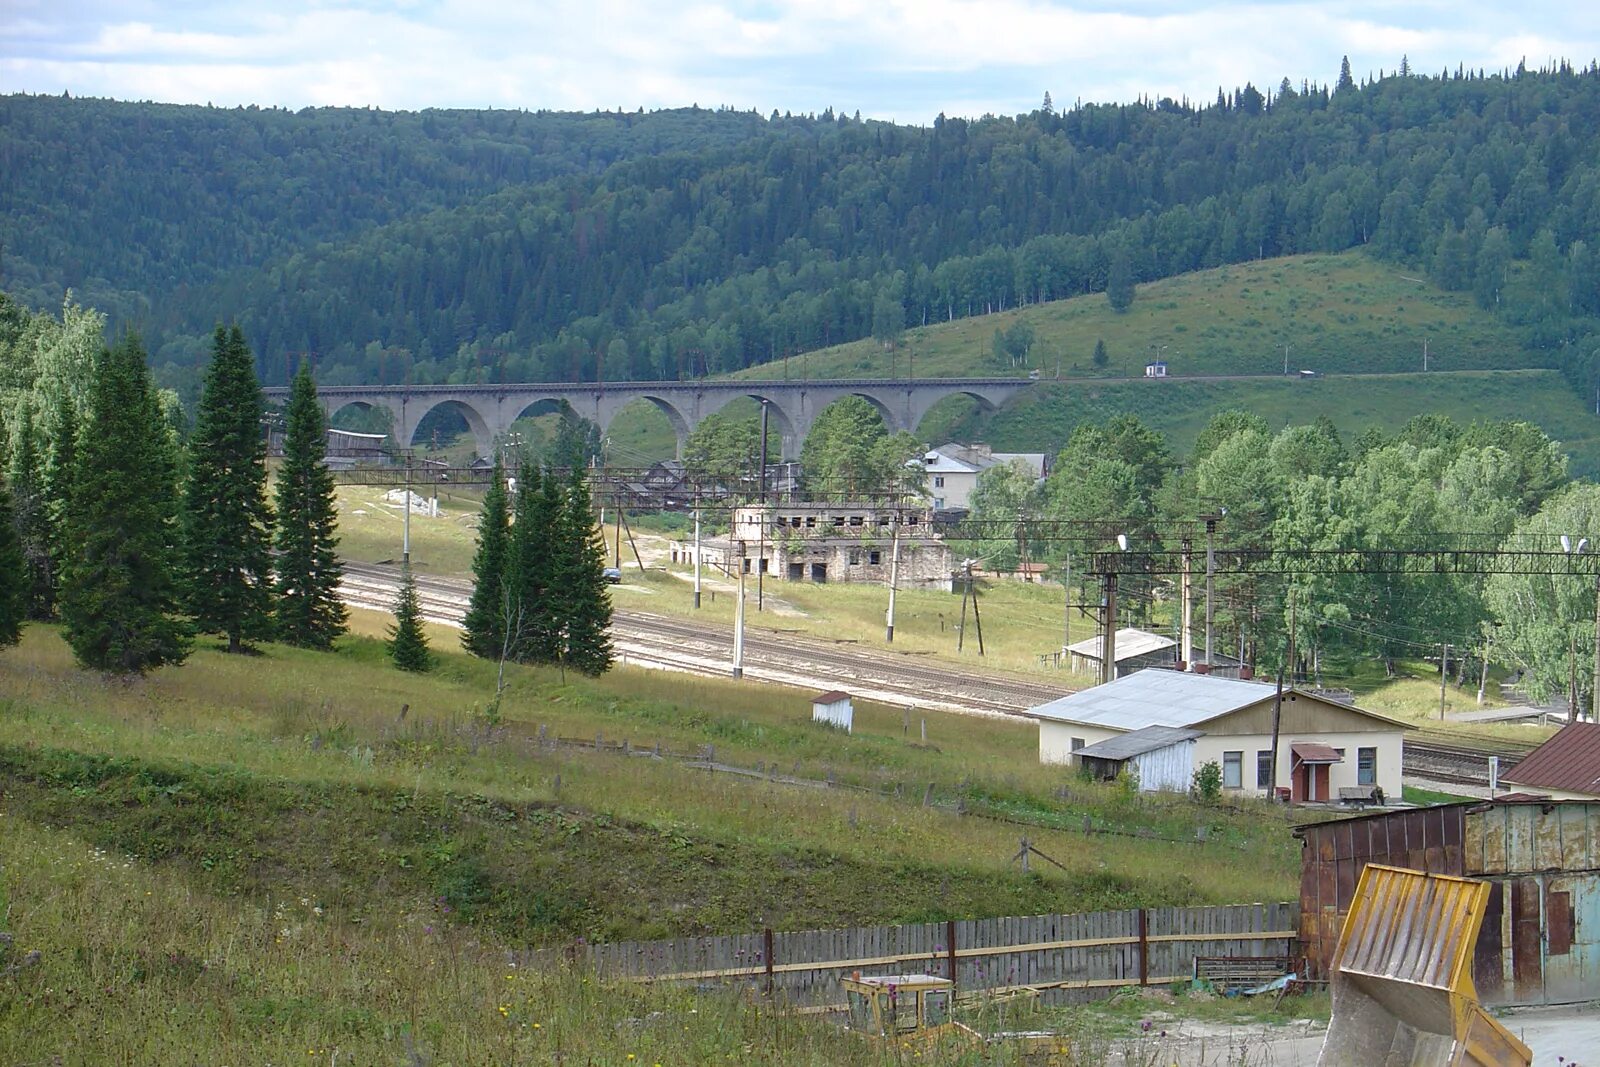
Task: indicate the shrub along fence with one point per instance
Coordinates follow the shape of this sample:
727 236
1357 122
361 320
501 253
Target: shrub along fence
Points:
1054 953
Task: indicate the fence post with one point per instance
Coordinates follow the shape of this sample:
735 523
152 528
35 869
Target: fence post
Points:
766 954
1144 947
950 947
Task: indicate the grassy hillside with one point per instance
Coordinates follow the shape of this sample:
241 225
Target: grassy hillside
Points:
1344 313
295 852
1341 315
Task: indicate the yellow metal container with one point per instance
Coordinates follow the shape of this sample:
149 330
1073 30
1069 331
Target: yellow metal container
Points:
1402 984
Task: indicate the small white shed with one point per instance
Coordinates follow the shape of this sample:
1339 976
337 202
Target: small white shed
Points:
833 708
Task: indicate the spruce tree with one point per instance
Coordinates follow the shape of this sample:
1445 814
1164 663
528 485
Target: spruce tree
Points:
484 627
309 611
408 645
584 596
1119 281
13 575
528 570
119 594
227 526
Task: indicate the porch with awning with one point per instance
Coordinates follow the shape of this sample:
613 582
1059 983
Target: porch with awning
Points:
1308 770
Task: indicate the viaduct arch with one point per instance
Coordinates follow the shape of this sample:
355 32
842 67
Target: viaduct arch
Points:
490 410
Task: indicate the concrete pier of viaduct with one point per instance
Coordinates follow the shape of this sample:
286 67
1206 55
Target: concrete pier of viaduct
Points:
489 410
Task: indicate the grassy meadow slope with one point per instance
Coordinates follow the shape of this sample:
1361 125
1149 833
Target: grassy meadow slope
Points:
1338 313
1345 314
265 858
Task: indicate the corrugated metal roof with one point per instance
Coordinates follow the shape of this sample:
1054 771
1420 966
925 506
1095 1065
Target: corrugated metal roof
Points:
1137 743
1154 698
1413 927
1130 643
1167 698
1569 761
830 697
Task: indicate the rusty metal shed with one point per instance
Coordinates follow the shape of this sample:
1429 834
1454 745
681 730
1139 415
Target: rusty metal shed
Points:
1540 941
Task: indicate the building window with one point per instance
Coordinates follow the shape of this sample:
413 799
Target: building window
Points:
1077 743
855 557
838 520
1366 766
1233 770
938 481
938 503
811 522
874 557
1264 769
857 520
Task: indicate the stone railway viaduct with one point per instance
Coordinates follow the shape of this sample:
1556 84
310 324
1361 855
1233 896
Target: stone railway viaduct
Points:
489 410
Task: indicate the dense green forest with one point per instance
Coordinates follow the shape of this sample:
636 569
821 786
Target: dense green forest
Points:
478 245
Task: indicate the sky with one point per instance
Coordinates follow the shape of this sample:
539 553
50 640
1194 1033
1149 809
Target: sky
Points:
902 60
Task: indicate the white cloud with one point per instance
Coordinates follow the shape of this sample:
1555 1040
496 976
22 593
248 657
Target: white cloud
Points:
903 59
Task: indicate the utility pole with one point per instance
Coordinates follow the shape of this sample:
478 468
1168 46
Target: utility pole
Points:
1108 640
1211 578
761 535
697 554
405 536
977 620
1066 605
1488 643
738 620
1186 610
894 578
1286 357
1424 355
1594 695
1277 703
1444 673
966 591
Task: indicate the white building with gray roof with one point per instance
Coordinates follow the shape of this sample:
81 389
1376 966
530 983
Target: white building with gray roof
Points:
1323 747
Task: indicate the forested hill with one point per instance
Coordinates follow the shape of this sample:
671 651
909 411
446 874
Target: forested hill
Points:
468 245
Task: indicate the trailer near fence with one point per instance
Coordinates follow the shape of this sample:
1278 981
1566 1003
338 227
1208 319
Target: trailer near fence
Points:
1064 956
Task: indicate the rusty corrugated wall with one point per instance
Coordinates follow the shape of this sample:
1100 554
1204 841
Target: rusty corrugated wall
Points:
1333 855
1540 941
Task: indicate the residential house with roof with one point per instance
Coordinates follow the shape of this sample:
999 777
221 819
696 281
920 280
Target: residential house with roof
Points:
952 471
1183 721
1566 767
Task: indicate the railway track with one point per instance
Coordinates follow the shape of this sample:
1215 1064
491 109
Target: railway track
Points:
678 644
672 643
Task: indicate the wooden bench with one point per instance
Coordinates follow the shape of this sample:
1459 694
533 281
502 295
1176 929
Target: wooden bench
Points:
1228 973
1359 795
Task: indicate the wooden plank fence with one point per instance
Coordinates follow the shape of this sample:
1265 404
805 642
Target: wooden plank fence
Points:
1068 953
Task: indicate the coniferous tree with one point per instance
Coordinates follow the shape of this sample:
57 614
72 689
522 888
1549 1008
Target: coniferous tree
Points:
13 575
227 526
528 569
119 593
584 595
408 645
1119 281
484 627
309 611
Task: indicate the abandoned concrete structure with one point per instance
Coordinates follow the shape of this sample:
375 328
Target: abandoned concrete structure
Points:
827 542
